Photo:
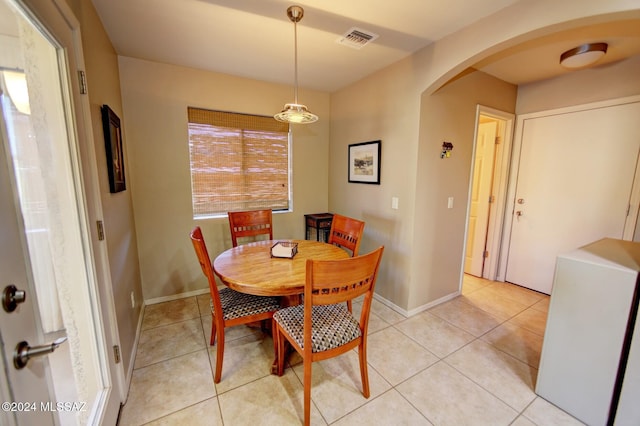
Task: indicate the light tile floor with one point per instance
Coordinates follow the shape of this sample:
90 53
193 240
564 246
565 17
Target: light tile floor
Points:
470 361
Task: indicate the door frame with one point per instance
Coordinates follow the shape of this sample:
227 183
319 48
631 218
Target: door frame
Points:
482 193
90 187
499 189
52 14
630 224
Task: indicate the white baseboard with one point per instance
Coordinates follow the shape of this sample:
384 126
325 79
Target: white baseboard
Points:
175 296
417 310
390 304
155 300
376 296
430 305
134 352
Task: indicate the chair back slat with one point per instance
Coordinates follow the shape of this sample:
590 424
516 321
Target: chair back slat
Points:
250 224
335 281
346 232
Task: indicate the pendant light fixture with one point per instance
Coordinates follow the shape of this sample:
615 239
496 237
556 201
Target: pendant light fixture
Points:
295 112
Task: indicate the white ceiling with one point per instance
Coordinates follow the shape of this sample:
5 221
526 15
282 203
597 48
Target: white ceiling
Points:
254 38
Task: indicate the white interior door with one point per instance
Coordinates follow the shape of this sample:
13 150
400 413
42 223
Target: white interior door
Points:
576 170
480 192
20 324
47 249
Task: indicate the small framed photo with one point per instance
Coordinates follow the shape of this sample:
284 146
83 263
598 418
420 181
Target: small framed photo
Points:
364 162
113 147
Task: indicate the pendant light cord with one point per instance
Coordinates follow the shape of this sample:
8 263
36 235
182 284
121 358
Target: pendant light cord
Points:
295 58
295 112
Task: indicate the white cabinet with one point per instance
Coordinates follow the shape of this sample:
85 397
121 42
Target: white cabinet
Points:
590 362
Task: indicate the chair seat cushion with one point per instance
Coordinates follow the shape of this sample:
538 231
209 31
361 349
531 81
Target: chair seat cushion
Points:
236 304
332 325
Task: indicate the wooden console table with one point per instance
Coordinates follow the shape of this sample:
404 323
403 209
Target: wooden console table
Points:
321 222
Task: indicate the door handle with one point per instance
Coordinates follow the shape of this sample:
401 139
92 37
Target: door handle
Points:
24 352
11 297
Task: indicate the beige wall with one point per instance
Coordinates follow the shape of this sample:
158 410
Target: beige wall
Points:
155 99
380 107
101 67
425 241
448 115
386 105
422 238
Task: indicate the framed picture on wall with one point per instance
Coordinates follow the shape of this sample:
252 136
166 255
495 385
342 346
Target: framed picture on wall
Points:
113 147
364 162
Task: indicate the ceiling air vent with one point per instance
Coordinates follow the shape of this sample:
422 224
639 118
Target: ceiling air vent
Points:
357 38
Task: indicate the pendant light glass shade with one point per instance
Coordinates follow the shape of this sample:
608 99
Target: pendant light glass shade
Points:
295 112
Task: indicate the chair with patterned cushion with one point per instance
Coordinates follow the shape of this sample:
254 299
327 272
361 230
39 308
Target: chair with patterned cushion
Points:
323 327
346 232
250 223
229 307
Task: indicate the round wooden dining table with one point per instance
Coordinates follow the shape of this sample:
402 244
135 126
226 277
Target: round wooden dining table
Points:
250 268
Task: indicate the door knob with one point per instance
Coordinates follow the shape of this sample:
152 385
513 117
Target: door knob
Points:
11 297
24 352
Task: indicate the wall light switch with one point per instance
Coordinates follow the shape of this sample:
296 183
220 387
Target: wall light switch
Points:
394 203
450 203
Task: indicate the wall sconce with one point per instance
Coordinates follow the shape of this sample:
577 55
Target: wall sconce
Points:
447 147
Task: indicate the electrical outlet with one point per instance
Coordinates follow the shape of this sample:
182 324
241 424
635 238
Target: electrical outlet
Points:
133 300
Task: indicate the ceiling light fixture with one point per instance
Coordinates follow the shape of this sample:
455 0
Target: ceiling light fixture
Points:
295 112
584 55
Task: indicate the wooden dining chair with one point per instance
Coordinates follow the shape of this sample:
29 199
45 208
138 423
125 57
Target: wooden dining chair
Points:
250 224
322 327
346 232
229 307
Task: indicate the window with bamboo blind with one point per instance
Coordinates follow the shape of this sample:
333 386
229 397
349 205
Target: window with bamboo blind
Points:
238 162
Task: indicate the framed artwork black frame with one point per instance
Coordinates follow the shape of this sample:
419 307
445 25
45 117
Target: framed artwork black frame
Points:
113 148
364 162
